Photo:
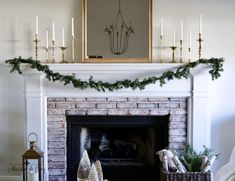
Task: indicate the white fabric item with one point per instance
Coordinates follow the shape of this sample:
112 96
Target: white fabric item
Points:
231 178
227 172
232 157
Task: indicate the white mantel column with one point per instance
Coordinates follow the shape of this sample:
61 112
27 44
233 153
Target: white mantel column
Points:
34 101
33 98
201 123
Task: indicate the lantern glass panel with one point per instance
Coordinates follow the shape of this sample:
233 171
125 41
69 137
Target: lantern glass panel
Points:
33 169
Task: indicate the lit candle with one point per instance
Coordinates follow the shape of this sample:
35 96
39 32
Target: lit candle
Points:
47 44
200 24
161 34
72 27
53 31
181 31
190 39
36 28
174 37
63 37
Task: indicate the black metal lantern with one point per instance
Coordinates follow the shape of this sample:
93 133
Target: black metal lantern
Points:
33 160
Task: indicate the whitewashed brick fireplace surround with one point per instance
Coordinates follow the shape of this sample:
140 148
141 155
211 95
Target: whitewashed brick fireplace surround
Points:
60 107
46 100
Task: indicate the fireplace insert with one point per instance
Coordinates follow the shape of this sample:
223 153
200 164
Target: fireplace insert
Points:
125 145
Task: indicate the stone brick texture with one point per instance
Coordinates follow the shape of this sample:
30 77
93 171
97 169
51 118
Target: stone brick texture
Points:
59 107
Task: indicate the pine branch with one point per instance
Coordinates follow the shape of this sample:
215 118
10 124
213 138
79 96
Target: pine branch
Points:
181 72
193 160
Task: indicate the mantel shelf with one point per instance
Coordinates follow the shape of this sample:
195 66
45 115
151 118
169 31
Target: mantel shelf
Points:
107 67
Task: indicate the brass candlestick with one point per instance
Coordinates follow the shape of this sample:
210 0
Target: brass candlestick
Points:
36 41
181 51
47 55
73 43
161 40
173 53
189 54
53 51
200 45
63 59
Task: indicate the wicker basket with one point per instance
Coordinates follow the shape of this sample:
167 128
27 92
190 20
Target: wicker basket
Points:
190 176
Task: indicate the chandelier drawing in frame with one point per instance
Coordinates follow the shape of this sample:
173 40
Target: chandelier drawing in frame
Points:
119 34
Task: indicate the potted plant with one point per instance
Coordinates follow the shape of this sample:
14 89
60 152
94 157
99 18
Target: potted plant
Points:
187 165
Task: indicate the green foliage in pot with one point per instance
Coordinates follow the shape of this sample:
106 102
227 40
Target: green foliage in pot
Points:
193 160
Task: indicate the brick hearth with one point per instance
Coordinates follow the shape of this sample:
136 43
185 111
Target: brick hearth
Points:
59 107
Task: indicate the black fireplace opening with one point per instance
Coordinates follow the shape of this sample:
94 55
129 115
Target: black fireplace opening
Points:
125 145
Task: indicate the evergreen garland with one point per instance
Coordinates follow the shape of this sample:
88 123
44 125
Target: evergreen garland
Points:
181 71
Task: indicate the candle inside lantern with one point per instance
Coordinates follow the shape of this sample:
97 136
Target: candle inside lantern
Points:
181 31
47 44
53 31
32 176
72 27
63 37
36 27
174 37
200 24
161 34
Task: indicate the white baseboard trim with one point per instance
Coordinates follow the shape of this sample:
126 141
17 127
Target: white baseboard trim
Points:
10 178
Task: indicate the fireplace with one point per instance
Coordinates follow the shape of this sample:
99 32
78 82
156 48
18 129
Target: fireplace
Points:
125 145
49 103
78 123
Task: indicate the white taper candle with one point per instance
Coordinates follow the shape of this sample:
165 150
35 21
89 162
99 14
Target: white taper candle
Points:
53 31
72 27
62 37
47 44
174 37
190 39
181 31
200 24
36 26
162 28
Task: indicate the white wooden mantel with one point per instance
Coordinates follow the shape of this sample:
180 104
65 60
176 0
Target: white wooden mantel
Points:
196 88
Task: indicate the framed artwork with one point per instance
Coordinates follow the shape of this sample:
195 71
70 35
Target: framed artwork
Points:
117 31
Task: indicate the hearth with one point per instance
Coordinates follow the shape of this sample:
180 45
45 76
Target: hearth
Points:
125 145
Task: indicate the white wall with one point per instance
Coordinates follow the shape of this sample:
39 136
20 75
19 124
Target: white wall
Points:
16 30
218 32
17 20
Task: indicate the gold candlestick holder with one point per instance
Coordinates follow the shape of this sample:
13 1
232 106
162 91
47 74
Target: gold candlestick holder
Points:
173 48
53 51
36 41
63 57
73 44
200 40
161 42
189 55
181 51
